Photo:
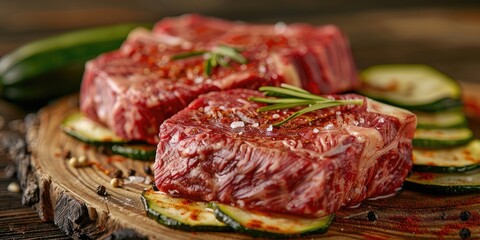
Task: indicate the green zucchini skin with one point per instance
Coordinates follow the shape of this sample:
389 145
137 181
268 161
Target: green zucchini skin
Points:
444 169
144 152
53 66
318 226
157 206
444 183
440 105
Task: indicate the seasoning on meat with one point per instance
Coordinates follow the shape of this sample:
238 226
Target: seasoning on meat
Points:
134 89
291 168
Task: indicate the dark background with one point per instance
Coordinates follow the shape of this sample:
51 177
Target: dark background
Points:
444 34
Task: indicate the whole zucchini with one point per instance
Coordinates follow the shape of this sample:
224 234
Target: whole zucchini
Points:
53 66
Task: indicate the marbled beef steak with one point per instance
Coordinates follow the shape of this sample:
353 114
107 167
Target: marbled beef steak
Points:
221 149
134 89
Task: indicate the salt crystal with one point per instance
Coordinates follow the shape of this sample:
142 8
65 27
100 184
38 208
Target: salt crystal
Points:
329 126
381 120
237 124
148 180
280 27
134 179
275 116
270 128
338 113
198 80
255 125
262 69
208 110
361 120
315 130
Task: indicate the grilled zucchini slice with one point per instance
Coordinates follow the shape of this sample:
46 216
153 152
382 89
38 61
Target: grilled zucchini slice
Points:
444 119
446 183
441 138
413 87
180 213
459 159
258 224
82 128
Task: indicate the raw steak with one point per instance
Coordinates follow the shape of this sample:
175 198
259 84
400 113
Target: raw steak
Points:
133 90
220 149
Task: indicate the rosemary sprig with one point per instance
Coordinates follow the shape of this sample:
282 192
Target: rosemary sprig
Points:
218 56
288 96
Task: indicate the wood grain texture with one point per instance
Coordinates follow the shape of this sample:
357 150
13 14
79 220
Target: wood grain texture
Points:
67 196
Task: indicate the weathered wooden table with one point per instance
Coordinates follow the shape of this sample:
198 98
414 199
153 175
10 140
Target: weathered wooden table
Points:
446 36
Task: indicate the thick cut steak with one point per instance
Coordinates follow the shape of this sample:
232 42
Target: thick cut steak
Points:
134 89
220 149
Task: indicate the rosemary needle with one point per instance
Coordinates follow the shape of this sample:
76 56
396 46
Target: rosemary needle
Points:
218 56
288 96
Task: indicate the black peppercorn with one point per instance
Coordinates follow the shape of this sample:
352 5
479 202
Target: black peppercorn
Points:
443 216
67 155
101 190
465 215
147 170
464 233
117 173
372 216
131 172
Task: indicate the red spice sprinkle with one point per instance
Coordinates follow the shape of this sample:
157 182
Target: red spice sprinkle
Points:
425 176
254 224
115 159
101 168
194 215
273 228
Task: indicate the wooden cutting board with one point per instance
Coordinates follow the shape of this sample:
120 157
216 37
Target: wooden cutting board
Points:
67 195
